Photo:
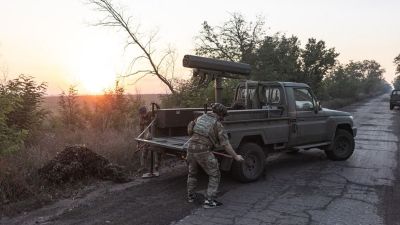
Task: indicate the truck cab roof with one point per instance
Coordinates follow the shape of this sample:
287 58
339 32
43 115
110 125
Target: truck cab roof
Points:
284 84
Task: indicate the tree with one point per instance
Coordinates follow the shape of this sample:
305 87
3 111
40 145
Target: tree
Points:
317 60
27 114
396 82
20 111
278 59
70 109
114 109
11 138
368 72
397 63
115 18
120 107
342 84
356 79
135 102
236 40
273 57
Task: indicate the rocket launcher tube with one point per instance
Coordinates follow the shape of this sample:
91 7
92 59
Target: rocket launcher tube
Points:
203 63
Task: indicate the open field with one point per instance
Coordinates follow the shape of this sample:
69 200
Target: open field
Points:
51 102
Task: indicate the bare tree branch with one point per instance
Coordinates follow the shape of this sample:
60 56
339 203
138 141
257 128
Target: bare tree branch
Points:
137 72
116 18
138 79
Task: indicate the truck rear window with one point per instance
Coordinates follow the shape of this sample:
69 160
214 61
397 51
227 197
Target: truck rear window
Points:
241 95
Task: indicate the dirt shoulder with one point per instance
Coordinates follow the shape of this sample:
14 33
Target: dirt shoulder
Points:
110 203
142 201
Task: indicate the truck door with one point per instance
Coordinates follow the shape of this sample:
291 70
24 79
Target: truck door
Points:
311 127
273 100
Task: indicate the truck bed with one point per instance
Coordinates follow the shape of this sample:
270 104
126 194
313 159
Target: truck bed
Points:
175 142
170 127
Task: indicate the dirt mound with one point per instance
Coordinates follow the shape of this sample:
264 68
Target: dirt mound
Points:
77 163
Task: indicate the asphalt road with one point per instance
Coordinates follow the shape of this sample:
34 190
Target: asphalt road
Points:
305 188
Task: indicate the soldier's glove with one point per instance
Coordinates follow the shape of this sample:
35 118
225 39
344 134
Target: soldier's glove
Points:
239 158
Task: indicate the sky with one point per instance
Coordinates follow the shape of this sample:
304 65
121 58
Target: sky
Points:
56 42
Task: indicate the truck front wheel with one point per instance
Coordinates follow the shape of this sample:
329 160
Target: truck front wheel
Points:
342 147
253 165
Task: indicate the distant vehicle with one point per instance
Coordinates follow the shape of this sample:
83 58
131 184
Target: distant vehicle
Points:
265 118
394 99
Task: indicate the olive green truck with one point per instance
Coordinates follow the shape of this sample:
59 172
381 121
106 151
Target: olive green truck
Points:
265 118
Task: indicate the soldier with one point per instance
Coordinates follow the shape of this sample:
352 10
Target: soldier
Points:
207 132
145 119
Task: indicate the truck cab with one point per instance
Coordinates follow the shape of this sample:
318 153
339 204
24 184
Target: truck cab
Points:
308 122
394 99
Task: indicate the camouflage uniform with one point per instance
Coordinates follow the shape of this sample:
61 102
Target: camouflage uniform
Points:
143 147
207 132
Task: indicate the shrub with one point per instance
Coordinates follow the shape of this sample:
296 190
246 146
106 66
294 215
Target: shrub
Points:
20 111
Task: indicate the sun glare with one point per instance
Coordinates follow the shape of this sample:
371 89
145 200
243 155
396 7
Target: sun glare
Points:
96 79
95 74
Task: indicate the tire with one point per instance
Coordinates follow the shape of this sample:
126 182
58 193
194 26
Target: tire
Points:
391 107
342 147
253 166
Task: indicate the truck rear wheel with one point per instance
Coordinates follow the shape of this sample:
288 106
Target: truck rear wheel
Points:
342 147
253 166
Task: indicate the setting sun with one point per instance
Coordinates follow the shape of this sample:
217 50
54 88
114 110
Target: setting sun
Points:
96 78
94 73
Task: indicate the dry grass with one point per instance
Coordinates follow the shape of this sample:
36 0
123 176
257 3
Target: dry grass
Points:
19 179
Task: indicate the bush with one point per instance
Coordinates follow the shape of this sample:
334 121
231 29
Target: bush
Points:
20 112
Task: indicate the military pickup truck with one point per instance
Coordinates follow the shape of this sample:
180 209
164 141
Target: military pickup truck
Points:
394 99
265 118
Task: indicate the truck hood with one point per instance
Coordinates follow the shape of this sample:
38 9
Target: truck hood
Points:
331 112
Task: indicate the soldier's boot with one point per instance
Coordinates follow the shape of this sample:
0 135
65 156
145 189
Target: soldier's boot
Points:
191 198
211 203
156 171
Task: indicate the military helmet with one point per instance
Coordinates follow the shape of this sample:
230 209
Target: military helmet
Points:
219 109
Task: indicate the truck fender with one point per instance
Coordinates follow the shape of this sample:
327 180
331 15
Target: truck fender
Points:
255 138
343 126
